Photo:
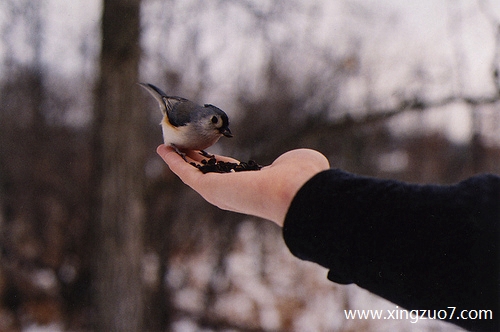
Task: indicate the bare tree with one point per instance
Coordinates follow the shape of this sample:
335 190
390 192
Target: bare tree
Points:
119 163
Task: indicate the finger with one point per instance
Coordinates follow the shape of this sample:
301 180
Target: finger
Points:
304 157
177 165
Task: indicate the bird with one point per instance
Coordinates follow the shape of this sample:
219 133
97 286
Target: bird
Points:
187 125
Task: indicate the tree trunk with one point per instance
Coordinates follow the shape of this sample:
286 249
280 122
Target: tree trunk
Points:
119 145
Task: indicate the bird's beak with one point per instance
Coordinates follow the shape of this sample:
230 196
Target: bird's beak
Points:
226 132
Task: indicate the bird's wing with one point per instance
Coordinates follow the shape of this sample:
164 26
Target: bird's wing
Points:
179 111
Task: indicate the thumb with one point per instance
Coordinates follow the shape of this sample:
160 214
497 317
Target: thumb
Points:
176 164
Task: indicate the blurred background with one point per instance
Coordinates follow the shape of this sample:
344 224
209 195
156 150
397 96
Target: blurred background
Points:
97 234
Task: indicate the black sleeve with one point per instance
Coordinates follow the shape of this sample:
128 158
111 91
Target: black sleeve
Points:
419 246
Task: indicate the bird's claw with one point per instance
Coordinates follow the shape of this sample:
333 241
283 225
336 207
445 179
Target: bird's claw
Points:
206 154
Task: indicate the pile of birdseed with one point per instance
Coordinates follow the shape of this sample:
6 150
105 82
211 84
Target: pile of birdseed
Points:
213 165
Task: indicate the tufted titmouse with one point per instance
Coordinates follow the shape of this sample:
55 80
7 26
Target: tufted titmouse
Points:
189 126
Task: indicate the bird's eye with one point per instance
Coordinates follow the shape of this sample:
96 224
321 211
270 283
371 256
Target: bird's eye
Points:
215 119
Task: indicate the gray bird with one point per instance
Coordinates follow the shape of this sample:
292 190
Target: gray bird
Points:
187 125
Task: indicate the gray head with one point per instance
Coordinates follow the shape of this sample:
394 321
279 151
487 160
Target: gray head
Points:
212 117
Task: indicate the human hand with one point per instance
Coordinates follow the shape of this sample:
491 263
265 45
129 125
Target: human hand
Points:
266 193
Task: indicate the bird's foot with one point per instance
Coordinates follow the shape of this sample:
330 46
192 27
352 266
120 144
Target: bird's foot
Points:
180 153
206 154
